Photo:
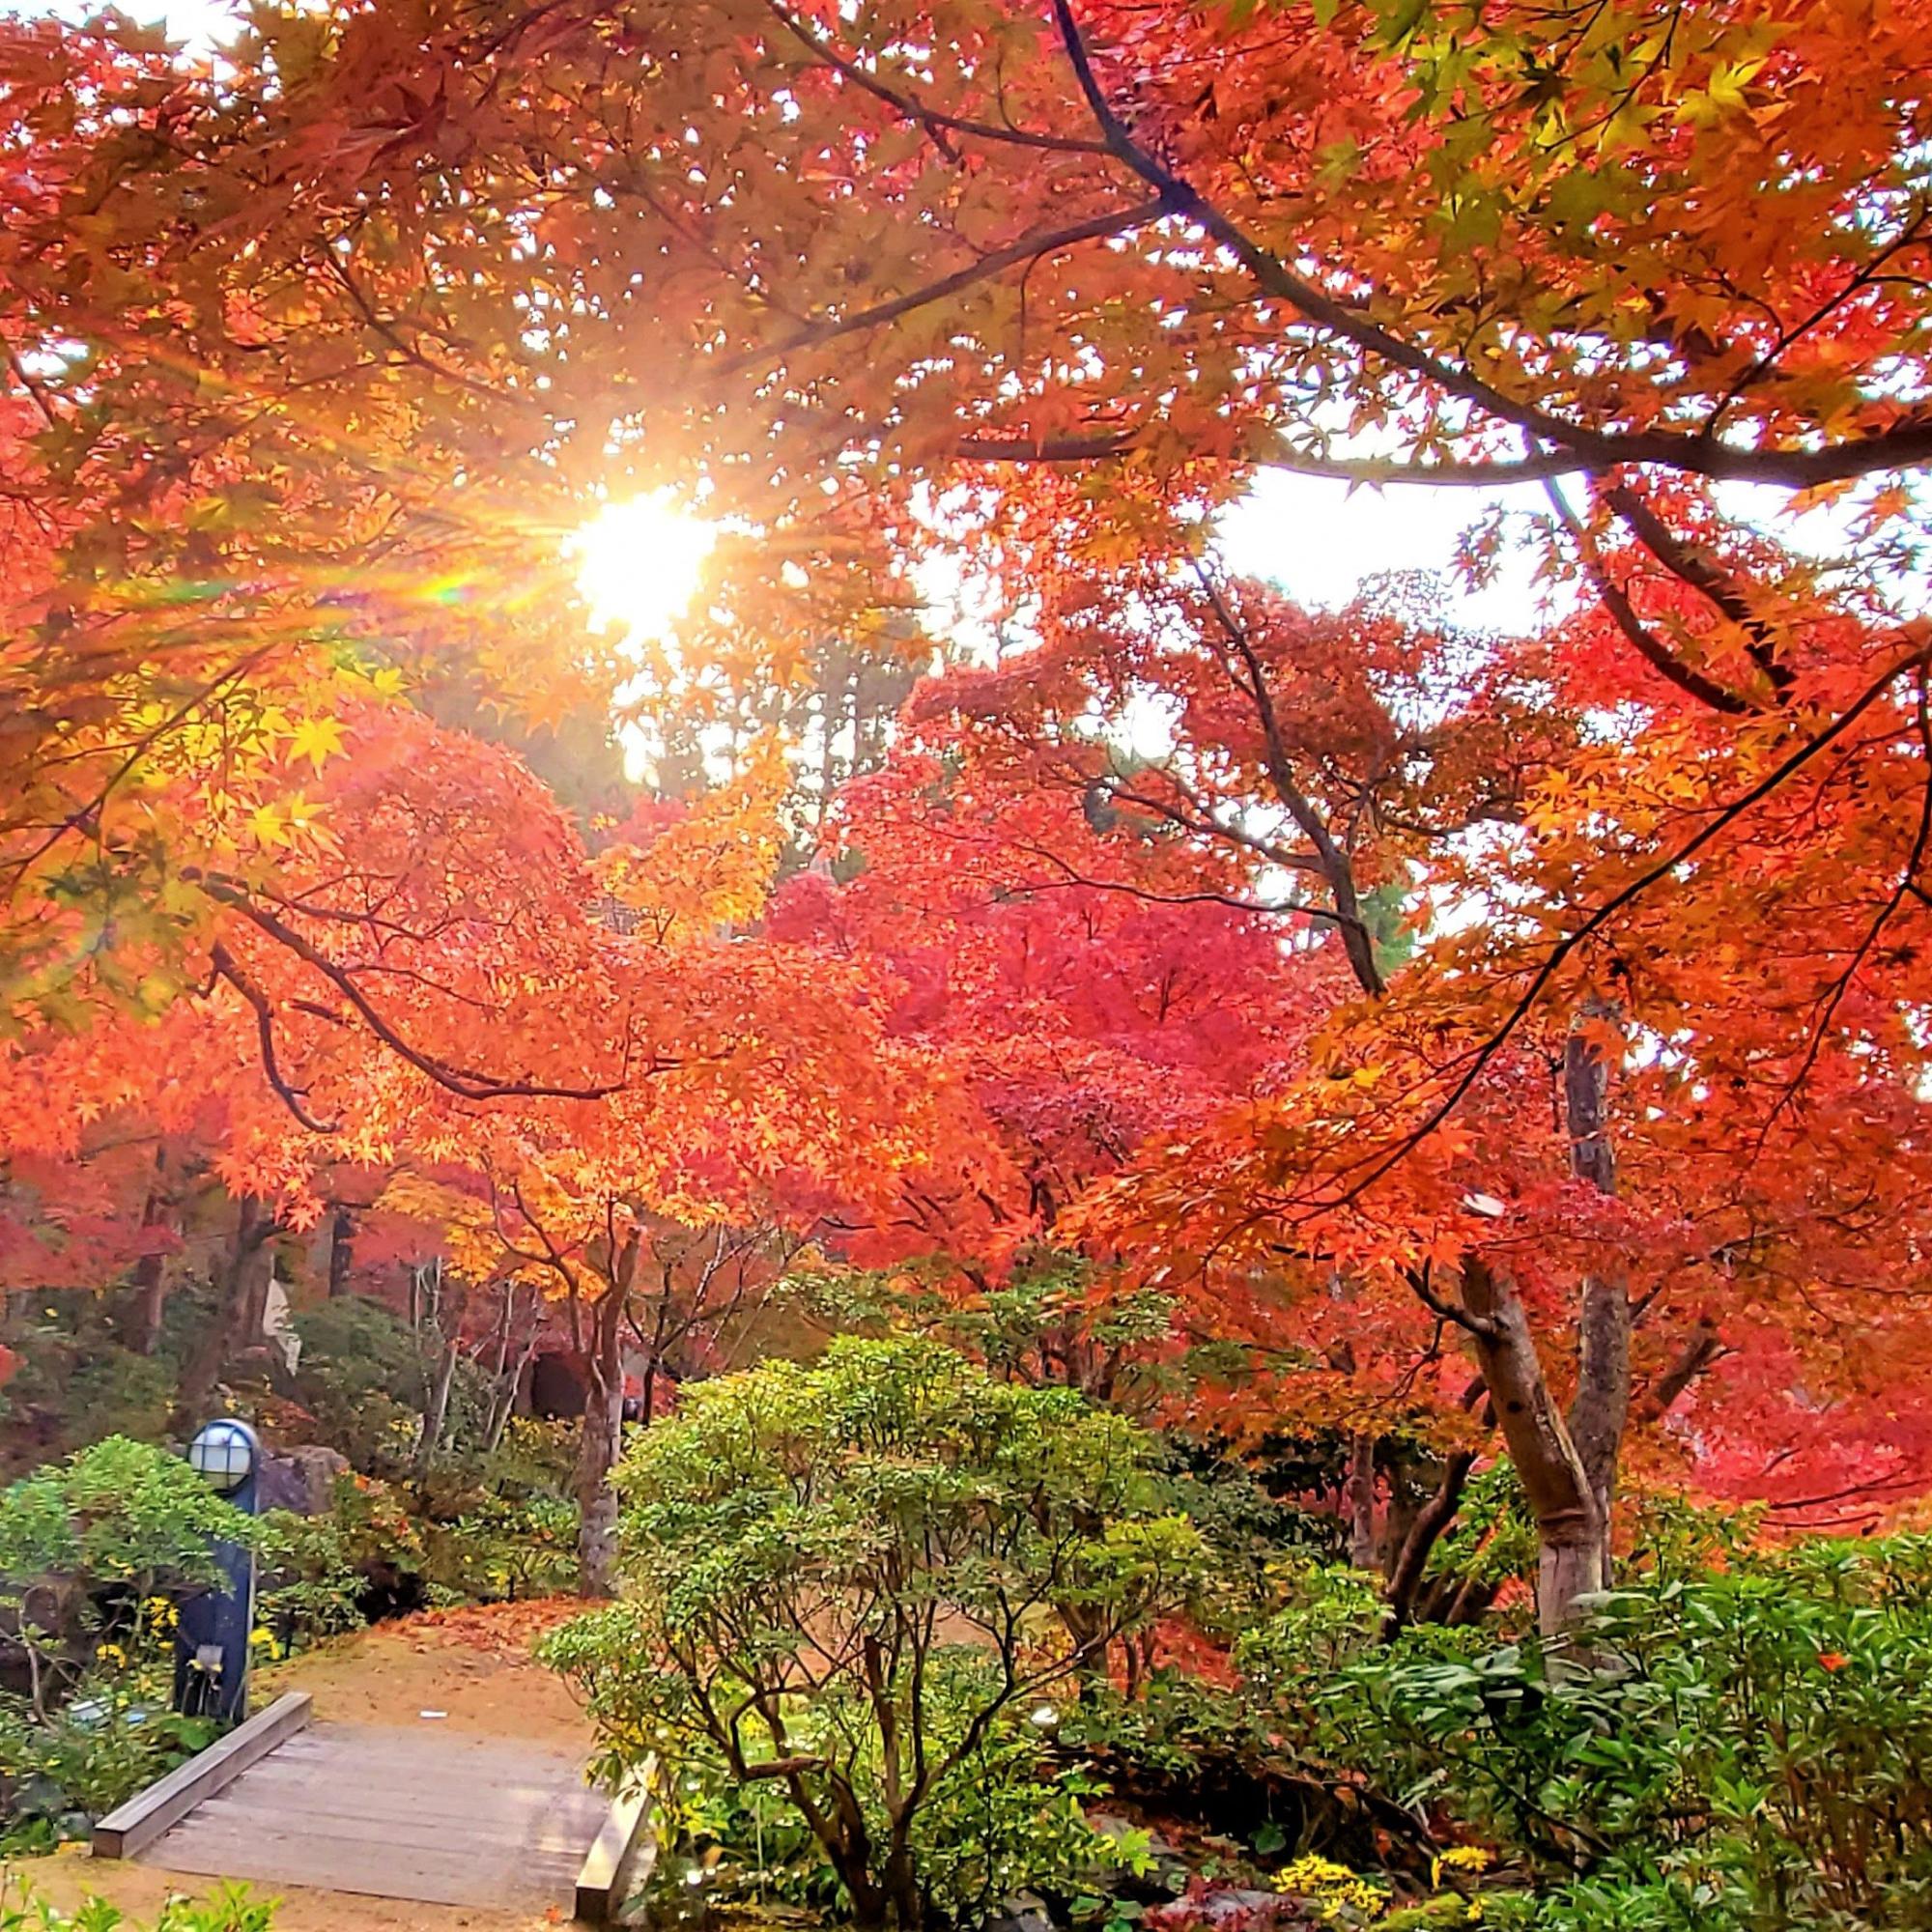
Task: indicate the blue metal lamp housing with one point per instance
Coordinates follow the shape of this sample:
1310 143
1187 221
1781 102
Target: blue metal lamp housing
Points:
212 1639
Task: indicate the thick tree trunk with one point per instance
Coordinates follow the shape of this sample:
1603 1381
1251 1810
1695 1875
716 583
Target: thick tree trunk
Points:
1573 1530
1568 1466
870 1905
903 1887
1600 1412
599 1447
151 1304
236 1292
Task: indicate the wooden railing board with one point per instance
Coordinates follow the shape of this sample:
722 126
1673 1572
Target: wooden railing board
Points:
623 1853
131 1827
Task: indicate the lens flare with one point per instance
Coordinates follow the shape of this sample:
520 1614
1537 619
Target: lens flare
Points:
639 563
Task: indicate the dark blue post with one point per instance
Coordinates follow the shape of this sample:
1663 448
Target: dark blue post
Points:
212 1639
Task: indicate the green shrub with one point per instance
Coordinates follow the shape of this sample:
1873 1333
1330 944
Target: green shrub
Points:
76 1382
117 1512
1751 1747
367 1377
1008 1820
862 1582
1744 1748
229 1908
319 1572
95 1550
308 1587
479 1528
508 1517
86 1542
114 1737
506 1547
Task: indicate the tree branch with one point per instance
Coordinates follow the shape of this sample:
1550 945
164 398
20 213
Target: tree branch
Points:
936 124
1688 678
1095 228
228 968
1907 445
1690 567
464 1082
1663 868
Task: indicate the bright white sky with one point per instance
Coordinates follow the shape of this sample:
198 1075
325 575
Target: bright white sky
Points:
1319 541
195 22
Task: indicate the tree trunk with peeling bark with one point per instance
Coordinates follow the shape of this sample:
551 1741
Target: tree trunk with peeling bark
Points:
150 1305
1599 1411
341 1250
1360 1497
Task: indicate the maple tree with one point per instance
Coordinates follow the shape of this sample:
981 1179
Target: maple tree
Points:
1052 283
438 910
1430 1132
694 1093
206 579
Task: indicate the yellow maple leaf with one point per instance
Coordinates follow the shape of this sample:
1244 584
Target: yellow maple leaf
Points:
316 739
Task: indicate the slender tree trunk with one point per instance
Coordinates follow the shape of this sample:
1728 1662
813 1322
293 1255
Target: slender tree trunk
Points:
1600 1412
234 1292
439 1407
600 1445
341 1250
150 1275
502 1380
1411 1557
254 1317
510 1387
1360 1495
506 1405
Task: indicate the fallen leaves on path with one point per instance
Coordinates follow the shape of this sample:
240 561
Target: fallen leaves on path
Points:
496 1630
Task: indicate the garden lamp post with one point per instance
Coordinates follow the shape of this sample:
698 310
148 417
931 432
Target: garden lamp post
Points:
212 1639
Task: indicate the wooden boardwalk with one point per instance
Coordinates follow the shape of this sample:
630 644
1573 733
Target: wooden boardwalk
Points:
428 1814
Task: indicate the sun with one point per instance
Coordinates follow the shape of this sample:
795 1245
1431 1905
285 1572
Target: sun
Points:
638 564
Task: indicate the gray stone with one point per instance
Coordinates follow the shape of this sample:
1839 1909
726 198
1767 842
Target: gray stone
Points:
301 1479
1023 1911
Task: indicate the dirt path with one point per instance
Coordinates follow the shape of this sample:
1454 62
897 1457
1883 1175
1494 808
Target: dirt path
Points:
473 1665
470 1665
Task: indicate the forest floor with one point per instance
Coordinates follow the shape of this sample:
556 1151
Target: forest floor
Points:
465 1669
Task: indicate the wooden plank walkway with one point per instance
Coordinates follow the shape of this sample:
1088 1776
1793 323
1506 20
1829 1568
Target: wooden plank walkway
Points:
433 1816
